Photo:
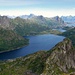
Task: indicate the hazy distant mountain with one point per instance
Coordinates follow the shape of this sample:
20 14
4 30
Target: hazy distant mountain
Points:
12 17
70 19
27 16
58 19
43 20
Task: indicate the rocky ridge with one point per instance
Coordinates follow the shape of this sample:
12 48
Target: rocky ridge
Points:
61 60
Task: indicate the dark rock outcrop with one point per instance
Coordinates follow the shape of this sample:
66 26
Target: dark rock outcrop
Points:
4 21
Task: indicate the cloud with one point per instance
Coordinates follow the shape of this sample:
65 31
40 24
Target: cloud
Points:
18 2
37 7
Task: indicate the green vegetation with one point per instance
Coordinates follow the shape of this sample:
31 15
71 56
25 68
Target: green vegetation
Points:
34 63
35 25
51 32
9 40
67 28
27 27
70 34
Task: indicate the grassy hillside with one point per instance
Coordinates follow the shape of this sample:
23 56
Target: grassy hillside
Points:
10 40
70 34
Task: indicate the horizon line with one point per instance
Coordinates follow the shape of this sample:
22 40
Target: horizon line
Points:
32 14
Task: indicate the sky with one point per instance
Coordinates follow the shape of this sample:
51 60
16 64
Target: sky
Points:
47 8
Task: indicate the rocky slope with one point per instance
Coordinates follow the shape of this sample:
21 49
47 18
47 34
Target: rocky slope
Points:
61 60
58 61
5 23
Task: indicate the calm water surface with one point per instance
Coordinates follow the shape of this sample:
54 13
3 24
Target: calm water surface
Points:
36 43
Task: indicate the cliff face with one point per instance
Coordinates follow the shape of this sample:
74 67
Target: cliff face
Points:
58 19
58 61
4 21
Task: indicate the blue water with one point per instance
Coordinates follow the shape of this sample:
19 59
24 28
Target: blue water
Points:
36 43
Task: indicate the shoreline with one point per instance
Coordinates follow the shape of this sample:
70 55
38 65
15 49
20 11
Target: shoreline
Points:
12 49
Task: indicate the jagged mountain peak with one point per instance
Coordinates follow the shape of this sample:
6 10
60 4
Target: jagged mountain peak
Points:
27 16
4 21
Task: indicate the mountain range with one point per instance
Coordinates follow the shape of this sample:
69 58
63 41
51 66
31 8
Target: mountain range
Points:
30 25
69 19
